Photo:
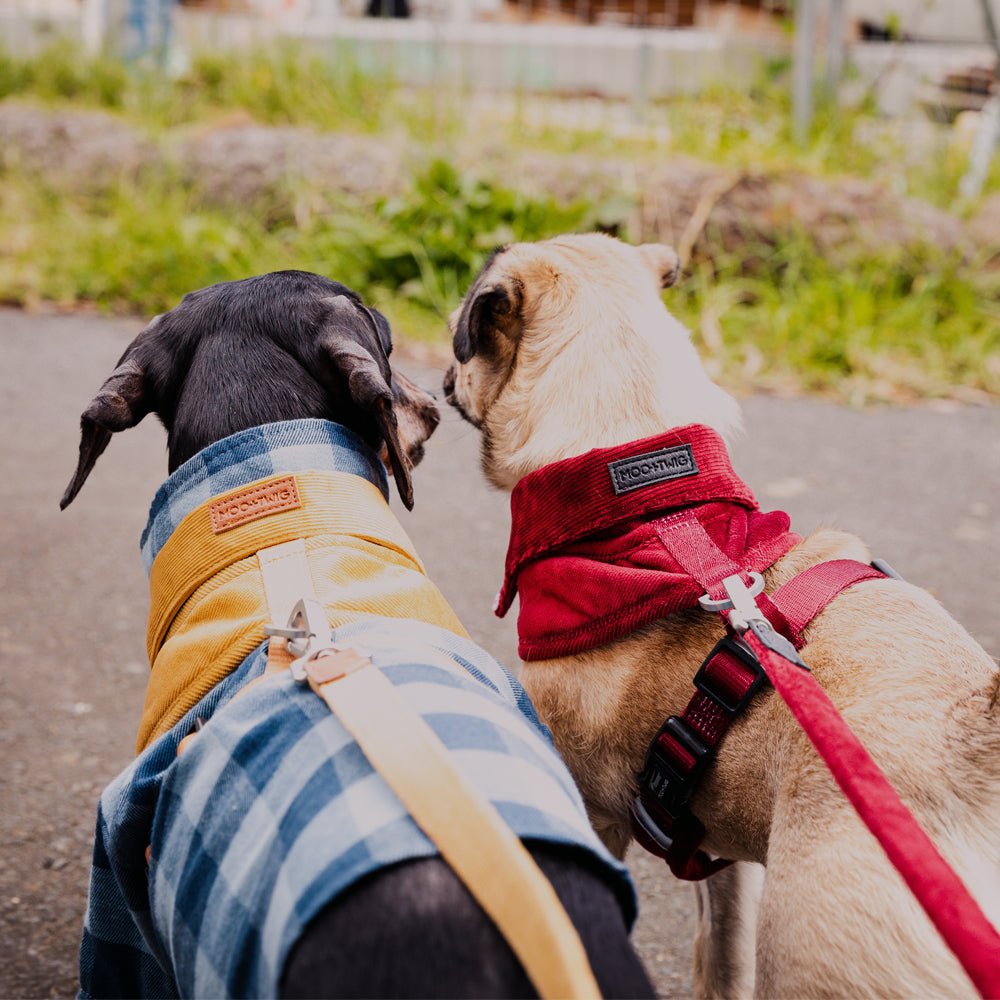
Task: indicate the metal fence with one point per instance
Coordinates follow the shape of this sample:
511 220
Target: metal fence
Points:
619 49
629 52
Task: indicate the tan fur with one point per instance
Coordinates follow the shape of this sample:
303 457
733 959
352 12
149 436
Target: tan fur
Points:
591 358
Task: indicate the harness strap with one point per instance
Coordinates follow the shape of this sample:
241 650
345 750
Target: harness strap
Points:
465 827
805 595
949 905
662 820
681 752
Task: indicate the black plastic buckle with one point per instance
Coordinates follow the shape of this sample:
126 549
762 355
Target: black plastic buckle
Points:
661 779
742 652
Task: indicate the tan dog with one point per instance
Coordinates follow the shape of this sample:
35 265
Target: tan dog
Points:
564 346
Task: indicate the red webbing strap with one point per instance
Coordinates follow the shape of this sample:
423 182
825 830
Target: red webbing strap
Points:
945 899
678 756
803 597
685 538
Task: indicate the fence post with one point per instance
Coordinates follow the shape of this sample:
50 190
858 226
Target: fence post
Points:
803 68
835 45
988 133
94 25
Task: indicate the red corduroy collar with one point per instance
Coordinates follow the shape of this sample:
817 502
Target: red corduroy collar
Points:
584 555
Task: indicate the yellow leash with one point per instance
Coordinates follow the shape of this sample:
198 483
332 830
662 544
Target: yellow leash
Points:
465 827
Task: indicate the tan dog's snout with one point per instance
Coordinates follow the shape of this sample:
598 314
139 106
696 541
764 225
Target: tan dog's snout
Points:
663 261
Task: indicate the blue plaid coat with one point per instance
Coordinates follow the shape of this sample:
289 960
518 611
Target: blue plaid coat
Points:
274 810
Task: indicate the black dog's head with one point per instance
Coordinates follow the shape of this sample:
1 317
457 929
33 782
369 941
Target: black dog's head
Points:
281 346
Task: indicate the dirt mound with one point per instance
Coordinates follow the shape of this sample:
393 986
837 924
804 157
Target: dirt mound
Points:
83 148
706 209
230 163
243 162
700 208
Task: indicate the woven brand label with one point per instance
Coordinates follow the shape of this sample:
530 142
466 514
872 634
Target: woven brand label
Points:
251 504
654 467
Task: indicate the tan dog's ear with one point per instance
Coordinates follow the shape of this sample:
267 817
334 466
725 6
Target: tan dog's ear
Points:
490 308
119 404
350 345
662 261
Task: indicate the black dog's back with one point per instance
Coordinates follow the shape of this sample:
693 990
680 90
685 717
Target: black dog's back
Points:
415 931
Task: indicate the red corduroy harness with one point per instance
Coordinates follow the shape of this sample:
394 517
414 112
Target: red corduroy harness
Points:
616 538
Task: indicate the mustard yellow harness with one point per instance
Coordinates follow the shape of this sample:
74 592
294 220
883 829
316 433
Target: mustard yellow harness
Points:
208 606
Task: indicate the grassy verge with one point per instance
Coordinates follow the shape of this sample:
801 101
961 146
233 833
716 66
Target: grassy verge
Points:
140 245
906 323
916 325
282 85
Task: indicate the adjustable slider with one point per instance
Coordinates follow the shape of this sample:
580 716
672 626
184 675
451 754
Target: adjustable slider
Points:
731 689
661 841
675 762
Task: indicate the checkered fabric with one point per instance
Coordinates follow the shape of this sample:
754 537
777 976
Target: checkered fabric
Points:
274 810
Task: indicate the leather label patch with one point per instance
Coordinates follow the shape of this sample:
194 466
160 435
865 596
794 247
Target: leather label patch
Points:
256 502
629 474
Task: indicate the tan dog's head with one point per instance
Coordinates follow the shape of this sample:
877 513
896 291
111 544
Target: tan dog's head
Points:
565 345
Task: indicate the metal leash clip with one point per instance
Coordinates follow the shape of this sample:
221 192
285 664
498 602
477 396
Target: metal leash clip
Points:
308 635
739 599
744 614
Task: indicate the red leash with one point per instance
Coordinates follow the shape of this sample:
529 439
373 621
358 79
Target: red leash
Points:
957 916
944 898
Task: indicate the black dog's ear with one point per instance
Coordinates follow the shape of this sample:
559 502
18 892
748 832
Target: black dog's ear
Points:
351 344
493 307
119 404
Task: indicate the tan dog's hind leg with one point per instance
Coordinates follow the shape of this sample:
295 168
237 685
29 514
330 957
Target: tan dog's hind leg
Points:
725 939
837 921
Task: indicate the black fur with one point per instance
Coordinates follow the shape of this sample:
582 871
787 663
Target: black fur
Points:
281 346
485 305
439 943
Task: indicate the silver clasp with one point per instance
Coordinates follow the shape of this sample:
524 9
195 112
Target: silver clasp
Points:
739 600
308 635
744 614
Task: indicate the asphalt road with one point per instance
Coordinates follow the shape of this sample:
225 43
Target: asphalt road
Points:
922 485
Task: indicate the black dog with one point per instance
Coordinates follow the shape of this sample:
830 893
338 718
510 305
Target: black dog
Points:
292 345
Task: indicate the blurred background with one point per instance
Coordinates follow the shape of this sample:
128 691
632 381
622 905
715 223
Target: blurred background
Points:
827 168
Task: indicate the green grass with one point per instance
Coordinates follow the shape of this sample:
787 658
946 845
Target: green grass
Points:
140 245
323 87
751 130
284 84
919 324
906 322
916 325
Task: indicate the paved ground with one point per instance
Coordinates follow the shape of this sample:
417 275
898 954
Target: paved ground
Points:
922 485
